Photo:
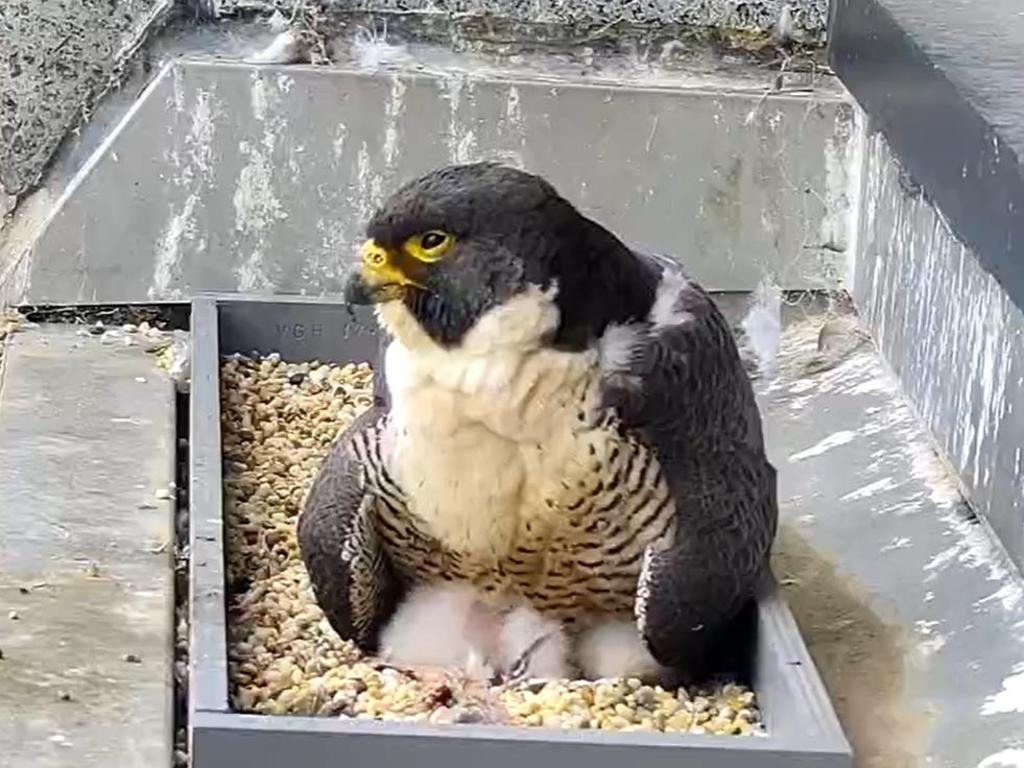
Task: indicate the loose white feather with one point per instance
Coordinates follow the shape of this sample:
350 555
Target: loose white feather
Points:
763 326
285 48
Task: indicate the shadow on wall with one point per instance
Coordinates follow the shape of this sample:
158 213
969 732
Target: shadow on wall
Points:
861 658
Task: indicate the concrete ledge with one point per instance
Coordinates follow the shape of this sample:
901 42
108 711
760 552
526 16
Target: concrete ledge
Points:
943 84
86 443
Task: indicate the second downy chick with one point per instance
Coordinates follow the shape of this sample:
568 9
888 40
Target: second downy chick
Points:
456 627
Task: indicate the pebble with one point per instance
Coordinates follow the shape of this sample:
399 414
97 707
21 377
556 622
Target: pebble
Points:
13 615
131 658
278 419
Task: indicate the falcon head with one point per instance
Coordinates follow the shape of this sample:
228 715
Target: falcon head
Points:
448 248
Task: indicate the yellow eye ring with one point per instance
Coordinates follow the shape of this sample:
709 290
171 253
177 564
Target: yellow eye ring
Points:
429 246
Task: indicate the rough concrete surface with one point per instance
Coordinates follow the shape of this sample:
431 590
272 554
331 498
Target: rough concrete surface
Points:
86 592
809 15
57 57
60 55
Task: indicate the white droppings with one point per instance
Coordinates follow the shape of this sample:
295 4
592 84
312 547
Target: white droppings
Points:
392 112
338 144
900 542
258 96
974 548
932 642
461 140
368 190
177 90
465 150
879 386
256 205
1010 596
1011 698
199 139
167 265
514 110
252 274
836 439
869 490
1012 757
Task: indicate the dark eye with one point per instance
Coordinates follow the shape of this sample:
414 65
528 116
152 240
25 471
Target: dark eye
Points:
518 669
433 240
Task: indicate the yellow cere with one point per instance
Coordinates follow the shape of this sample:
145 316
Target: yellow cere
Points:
380 268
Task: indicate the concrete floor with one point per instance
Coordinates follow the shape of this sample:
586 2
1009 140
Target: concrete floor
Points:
86 590
911 612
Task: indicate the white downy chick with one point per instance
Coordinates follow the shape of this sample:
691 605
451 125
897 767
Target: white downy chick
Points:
454 626
615 649
532 647
430 627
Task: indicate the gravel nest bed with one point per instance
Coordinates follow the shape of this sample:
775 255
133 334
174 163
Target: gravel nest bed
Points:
278 421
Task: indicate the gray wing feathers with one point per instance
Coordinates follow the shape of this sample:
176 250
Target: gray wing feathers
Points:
690 399
349 570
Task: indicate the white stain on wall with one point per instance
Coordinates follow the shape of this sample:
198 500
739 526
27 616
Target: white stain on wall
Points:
954 334
167 259
1010 699
392 113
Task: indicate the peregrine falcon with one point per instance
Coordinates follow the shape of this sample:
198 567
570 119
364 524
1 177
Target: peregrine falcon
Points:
558 418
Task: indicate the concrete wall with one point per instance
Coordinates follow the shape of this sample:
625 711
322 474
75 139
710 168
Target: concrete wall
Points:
237 178
57 57
951 334
60 55
810 16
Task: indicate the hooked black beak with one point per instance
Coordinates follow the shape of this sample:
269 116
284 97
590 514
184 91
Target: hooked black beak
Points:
357 290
